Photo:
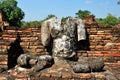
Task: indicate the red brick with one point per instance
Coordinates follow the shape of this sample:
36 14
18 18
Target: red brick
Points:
25 38
21 75
106 41
99 76
33 47
66 75
105 55
56 75
11 31
45 75
92 47
82 76
99 47
12 39
21 78
107 47
3 62
3 77
109 36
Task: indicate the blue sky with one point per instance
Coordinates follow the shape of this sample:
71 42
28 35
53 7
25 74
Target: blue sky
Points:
40 9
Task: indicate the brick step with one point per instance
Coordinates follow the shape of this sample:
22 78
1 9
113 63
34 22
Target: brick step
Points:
15 33
97 33
4 46
100 55
12 39
34 51
3 59
4 42
3 52
106 55
104 51
33 47
31 43
3 66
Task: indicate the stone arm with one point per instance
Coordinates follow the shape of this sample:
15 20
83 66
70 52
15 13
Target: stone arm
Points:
45 33
81 32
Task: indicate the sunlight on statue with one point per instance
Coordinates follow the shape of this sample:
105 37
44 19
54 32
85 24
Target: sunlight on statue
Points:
64 35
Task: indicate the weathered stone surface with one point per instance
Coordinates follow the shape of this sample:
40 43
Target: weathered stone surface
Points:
45 36
96 64
45 58
36 62
23 60
32 62
81 68
2 70
43 61
64 35
39 66
87 64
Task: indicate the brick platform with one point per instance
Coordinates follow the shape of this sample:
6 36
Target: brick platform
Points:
62 72
101 43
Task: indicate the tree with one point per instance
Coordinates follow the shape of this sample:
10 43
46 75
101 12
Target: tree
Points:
64 18
31 23
11 12
118 2
49 16
109 20
82 13
36 23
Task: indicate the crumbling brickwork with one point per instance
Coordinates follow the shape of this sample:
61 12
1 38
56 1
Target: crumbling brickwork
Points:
101 42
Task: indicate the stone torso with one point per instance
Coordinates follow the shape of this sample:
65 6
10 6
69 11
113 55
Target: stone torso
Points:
64 35
64 38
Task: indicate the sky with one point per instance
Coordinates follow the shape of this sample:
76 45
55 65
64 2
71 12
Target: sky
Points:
40 9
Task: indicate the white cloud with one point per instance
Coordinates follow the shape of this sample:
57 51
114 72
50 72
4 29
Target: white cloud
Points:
105 3
88 1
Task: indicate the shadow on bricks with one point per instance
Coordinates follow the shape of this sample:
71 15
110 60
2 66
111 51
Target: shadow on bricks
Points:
14 52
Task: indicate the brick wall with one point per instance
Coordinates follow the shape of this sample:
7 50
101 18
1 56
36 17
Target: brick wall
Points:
102 43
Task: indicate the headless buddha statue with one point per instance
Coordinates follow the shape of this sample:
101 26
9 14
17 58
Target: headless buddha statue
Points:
64 36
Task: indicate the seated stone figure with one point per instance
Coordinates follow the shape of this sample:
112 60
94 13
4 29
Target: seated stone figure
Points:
64 35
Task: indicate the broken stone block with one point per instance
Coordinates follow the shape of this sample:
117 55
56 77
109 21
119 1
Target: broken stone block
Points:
39 66
81 68
88 64
32 62
45 57
2 70
23 60
96 64
43 62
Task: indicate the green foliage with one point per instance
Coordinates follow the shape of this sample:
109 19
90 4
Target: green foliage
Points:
82 13
49 16
118 2
11 12
109 20
31 23
35 23
64 19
